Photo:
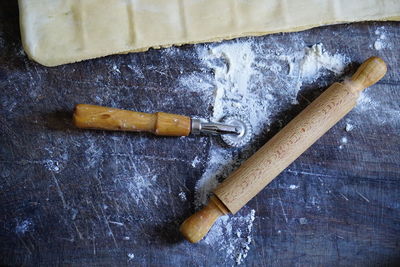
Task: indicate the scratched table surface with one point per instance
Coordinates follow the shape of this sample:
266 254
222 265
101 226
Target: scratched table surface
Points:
67 197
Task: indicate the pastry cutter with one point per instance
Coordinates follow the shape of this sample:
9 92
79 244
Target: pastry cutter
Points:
235 131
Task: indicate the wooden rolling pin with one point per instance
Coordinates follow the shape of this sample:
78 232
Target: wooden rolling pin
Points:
286 146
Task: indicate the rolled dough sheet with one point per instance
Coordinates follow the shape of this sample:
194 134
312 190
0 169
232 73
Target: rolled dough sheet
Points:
56 32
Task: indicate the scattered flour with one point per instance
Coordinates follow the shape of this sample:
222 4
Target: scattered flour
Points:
24 226
316 58
218 159
303 221
343 141
233 68
116 69
58 157
182 196
131 256
74 213
232 235
258 86
92 153
380 43
379 112
239 73
52 165
141 187
349 127
293 186
195 162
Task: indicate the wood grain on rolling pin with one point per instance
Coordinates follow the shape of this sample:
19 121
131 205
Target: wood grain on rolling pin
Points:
271 159
314 121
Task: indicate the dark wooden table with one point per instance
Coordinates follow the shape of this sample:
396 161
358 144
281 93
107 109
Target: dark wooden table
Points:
67 196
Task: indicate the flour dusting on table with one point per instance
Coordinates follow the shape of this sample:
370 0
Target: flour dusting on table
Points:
258 86
239 73
381 42
316 58
182 196
131 256
24 226
349 127
232 235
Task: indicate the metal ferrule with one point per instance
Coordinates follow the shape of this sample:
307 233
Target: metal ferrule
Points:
199 127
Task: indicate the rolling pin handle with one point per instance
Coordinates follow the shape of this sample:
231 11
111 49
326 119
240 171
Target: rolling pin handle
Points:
197 226
369 73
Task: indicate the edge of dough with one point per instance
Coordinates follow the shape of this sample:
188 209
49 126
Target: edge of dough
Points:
51 58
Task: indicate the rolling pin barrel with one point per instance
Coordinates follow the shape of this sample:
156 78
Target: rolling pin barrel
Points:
278 153
104 118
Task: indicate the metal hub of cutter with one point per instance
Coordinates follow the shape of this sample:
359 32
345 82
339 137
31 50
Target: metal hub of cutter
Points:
234 131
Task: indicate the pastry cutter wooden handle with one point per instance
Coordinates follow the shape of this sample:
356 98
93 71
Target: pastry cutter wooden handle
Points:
278 153
236 131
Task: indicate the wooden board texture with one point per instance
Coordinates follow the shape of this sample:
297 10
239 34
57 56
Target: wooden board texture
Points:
62 202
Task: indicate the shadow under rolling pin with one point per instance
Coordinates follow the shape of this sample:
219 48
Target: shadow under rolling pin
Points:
285 147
